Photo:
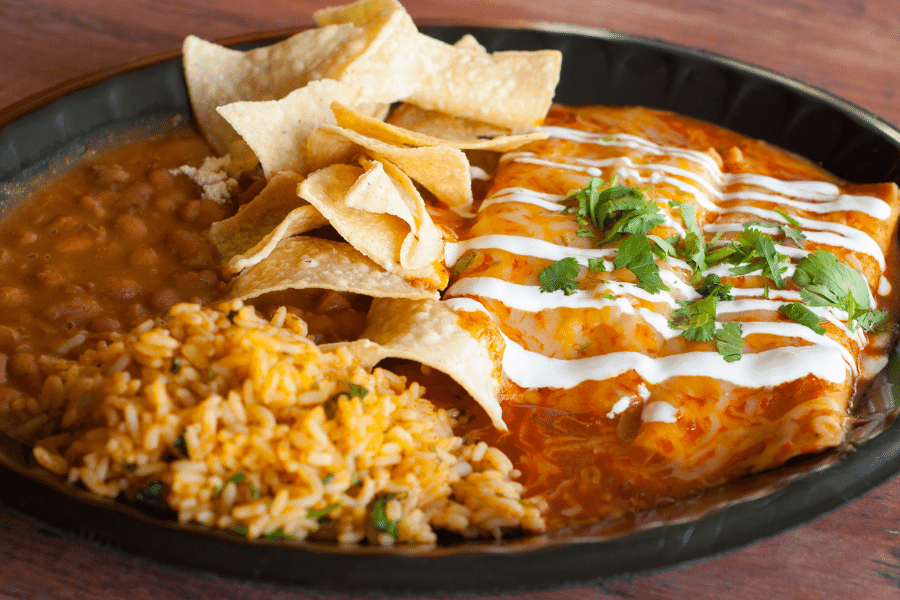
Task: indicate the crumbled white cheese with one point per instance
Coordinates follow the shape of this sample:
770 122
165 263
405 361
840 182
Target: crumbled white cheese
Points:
659 412
623 403
212 177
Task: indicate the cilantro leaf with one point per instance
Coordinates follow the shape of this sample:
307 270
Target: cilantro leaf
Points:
729 342
595 265
380 520
697 318
801 314
694 243
634 253
357 391
754 251
560 276
826 281
462 263
615 211
713 286
318 513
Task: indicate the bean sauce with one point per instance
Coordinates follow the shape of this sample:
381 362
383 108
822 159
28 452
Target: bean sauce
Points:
110 244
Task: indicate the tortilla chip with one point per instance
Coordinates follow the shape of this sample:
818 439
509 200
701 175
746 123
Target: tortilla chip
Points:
277 130
304 262
389 68
511 89
254 220
326 148
442 171
428 332
397 136
216 75
443 126
427 243
468 42
379 230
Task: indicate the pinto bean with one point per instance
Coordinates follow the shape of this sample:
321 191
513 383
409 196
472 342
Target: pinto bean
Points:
190 249
76 306
130 227
162 300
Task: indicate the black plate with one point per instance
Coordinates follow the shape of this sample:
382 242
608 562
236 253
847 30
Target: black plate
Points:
599 67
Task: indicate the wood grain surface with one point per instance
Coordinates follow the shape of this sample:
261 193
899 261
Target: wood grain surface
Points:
846 47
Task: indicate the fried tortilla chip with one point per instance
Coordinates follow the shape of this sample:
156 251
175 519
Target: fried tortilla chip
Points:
428 332
443 126
304 262
389 68
216 75
370 212
277 130
398 136
258 217
511 89
441 170
468 42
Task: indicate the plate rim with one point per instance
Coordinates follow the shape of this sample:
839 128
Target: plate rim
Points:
44 98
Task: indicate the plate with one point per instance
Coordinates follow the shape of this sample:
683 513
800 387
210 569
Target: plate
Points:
56 126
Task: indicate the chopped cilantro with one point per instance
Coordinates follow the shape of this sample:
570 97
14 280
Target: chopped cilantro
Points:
584 347
697 318
462 263
826 281
318 513
615 211
278 534
180 445
752 251
357 391
152 495
635 255
713 286
609 296
241 529
380 520
694 243
175 369
560 276
595 265
803 315
327 479
729 342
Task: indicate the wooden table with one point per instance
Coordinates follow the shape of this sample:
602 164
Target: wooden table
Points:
848 48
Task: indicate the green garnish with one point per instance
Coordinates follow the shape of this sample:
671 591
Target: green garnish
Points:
241 529
318 513
560 276
636 255
595 265
609 296
379 516
152 495
729 342
278 534
462 263
826 281
803 315
327 479
357 391
180 445
694 243
176 367
584 347
752 251
615 211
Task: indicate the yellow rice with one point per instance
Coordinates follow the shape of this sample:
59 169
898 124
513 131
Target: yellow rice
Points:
250 427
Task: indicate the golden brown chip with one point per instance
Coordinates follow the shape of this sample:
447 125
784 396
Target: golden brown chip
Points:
511 89
442 171
277 130
389 68
440 125
257 218
468 42
428 332
379 230
305 262
398 136
216 75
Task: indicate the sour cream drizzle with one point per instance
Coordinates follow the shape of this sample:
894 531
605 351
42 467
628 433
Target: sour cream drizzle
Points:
824 357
